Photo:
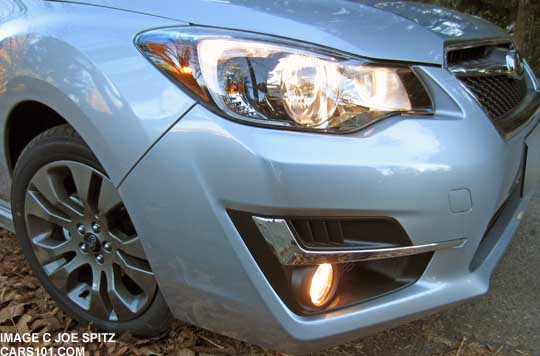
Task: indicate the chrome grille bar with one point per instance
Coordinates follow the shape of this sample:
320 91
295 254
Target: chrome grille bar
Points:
289 252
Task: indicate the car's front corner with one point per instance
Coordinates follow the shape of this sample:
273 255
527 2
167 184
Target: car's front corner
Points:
236 215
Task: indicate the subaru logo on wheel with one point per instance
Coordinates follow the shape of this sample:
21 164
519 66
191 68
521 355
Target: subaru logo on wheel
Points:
91 240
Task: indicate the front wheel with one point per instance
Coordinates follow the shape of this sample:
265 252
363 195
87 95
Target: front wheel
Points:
78 237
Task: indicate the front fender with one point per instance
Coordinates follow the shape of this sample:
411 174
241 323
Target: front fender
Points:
81 61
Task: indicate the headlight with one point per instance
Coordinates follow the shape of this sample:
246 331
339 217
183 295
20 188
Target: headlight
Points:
270 81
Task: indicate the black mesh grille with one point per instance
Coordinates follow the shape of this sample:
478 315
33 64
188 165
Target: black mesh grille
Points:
498 94
505 98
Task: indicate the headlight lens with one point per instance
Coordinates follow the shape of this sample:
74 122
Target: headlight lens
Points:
263 80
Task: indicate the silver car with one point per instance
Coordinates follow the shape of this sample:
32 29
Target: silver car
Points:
290 173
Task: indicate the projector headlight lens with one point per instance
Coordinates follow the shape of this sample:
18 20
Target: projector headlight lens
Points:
268 81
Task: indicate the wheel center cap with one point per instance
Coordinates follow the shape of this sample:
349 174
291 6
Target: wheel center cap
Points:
92 241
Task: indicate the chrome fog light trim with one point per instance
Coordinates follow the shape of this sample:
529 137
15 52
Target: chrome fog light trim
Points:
281 239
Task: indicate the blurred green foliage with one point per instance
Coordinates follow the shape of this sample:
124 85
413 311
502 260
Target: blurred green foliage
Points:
507 13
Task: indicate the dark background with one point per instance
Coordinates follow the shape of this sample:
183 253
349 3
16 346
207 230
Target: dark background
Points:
522 16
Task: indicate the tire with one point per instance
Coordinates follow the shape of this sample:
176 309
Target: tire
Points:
117 295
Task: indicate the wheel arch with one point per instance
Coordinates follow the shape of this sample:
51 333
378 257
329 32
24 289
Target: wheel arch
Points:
94 78
35 107
25 121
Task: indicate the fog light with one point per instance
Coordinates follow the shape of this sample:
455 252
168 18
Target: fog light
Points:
321 284
315 287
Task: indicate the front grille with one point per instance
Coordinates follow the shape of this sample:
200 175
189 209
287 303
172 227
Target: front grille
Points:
498 94
485 71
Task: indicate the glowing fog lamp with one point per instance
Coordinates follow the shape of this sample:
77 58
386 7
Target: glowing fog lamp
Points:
321 284
316 287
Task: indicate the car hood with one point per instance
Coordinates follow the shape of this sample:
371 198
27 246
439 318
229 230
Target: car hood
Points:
392 30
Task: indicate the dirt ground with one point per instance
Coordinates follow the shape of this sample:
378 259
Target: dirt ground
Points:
505 322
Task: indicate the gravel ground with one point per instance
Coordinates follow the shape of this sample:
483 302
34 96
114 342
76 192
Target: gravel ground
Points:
504 322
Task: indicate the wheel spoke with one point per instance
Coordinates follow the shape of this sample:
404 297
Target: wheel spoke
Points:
59 273
49 186
98 306
48 250
129 245
84 180
76 295
108 197
122 305
138 272
37 206
45 186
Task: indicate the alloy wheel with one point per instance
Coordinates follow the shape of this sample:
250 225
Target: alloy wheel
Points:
83 238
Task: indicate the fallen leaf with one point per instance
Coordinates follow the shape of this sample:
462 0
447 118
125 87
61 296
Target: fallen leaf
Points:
185 352
22 323
11 311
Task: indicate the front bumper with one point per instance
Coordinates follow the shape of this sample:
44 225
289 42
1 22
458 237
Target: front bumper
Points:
403 168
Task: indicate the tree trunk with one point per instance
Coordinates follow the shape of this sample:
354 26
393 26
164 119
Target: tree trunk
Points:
522 24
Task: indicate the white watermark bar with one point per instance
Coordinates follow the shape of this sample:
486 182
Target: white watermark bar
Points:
42 351
48 344
86 337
